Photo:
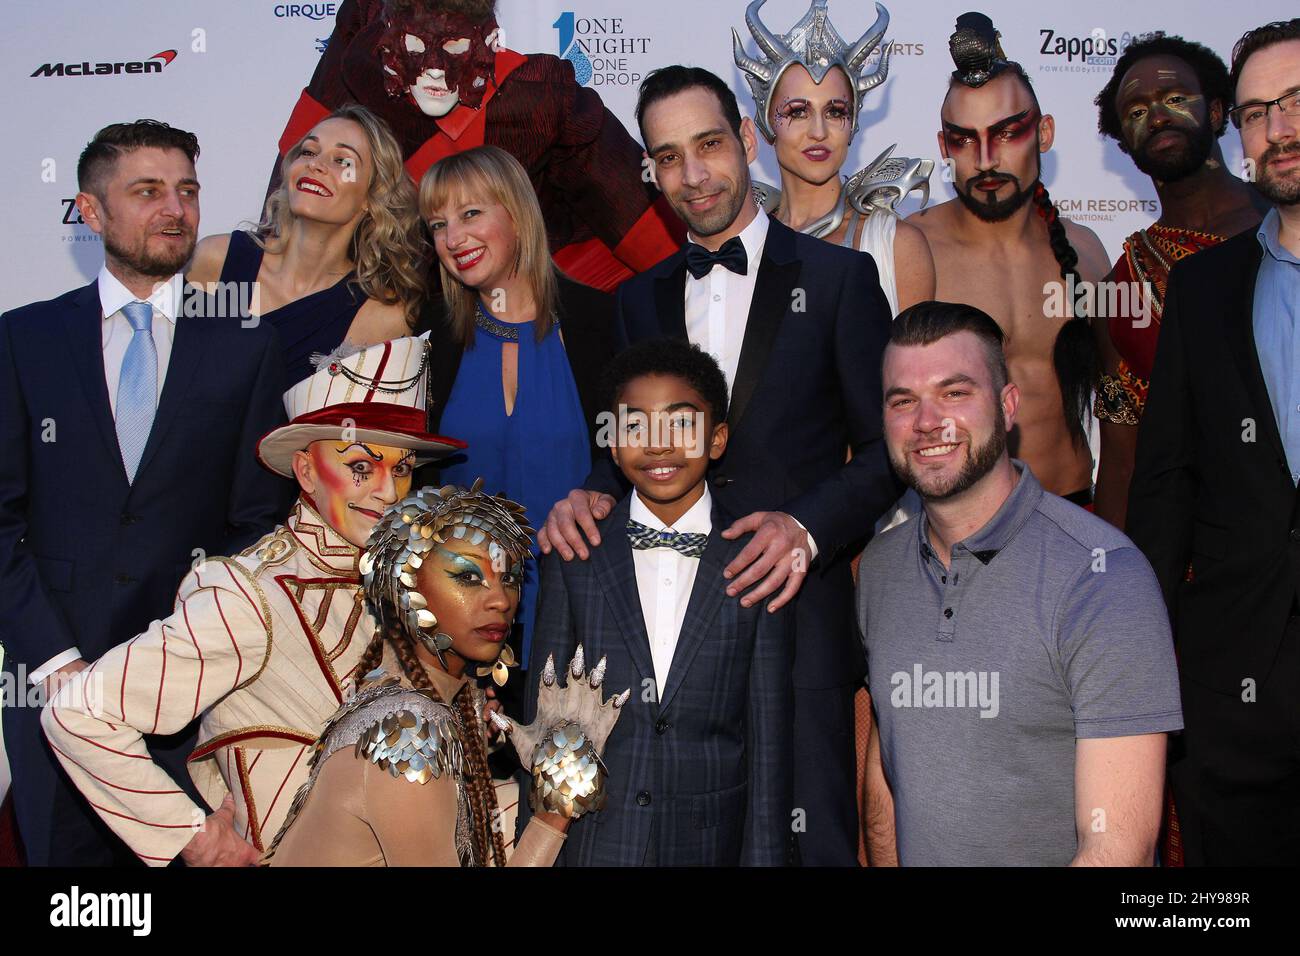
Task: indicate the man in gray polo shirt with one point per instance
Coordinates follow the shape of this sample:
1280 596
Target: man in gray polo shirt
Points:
1020 658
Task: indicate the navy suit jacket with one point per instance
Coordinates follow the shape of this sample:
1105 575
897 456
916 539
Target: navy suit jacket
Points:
807 388
704 773
88 559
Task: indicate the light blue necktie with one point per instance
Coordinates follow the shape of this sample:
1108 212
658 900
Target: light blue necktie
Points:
137 388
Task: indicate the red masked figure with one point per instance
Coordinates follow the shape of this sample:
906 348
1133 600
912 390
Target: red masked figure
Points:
436 71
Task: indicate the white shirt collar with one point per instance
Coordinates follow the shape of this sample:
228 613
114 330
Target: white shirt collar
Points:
697 520
113 295
752 237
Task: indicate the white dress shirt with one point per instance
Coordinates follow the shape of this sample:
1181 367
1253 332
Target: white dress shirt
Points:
117 331
665 578
116 335
717 305
717 310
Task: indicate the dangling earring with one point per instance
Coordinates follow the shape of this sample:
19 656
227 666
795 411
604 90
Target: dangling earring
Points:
437 643
499 668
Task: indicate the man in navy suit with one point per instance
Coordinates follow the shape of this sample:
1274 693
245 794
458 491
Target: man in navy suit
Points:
700 765
129 412
799 327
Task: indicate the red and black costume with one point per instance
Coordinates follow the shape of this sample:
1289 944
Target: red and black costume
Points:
604 221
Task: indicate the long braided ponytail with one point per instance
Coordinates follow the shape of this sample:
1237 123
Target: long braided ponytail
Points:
1074 355
482 794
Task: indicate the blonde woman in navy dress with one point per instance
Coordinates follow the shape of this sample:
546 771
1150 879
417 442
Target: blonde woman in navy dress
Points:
339 256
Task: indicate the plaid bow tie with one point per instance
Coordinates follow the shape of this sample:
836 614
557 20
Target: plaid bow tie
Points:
643 539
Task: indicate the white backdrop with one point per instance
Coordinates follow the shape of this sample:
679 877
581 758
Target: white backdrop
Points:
240 64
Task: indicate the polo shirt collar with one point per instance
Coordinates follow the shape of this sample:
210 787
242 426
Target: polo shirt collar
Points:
999 530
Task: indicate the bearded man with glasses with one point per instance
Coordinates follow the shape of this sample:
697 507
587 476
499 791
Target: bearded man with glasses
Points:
1215 485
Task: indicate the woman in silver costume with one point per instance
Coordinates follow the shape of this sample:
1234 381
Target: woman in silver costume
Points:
400 775
808 88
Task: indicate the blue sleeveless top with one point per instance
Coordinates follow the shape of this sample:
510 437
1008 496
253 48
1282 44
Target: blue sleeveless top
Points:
537 454
317 323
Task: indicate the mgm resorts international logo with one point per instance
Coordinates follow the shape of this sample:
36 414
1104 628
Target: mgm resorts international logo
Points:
1103 208
601 50
1094 53
154 64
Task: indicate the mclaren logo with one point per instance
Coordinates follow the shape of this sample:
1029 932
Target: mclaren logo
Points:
154 64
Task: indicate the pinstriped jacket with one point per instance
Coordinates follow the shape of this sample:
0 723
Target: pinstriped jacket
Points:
701 777
259 645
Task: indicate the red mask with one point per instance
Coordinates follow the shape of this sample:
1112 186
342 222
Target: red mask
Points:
468 72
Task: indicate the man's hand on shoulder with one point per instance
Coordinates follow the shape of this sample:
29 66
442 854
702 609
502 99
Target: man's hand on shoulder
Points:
217 843
776 557
55 681
570 519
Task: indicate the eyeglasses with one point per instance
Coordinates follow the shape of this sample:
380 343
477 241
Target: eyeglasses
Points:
1253 114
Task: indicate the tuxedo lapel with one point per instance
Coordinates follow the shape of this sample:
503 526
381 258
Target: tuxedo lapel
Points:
670 301
706 598
616 575
187 349
1241 339
778 274
84 333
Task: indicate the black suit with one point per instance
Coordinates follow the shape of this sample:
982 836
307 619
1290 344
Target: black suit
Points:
807 388
702 775
88 559
1211 487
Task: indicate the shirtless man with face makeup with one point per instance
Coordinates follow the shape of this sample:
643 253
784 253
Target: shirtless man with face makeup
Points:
1000 246
1166 105
260 645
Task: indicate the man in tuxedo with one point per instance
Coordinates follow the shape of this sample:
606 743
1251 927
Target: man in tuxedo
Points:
129 410
799 327
1214 487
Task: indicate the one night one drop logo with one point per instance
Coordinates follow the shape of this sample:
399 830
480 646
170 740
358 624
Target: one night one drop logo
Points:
569 50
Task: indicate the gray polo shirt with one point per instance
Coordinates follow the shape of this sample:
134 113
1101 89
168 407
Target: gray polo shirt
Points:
1048 626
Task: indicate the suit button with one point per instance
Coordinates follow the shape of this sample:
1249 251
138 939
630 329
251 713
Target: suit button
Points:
129 519
661 726
721 481
643 798
123 579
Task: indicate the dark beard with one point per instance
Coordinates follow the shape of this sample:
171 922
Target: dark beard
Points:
978 464
995 210
155 267
1178 164
1279 192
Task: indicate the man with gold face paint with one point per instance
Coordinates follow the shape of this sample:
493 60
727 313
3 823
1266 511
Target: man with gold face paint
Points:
1166 105
261 644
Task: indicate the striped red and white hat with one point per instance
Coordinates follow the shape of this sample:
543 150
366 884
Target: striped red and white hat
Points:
372 394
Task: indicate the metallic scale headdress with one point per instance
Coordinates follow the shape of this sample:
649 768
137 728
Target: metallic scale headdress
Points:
976 50
815 44
410 529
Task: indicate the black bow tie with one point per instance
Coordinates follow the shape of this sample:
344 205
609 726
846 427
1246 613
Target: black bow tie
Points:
731 256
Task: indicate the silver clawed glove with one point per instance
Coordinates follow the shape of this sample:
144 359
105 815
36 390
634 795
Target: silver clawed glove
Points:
563 744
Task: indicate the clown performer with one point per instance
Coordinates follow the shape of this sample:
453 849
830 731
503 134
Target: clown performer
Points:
400 775
809 86
263 644
439 74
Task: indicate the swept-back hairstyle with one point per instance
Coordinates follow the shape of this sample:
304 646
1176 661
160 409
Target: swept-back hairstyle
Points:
1252 41
101 153
490 174
927 322
388 246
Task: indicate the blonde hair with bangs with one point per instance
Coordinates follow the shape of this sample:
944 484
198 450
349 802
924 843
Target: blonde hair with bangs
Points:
483 174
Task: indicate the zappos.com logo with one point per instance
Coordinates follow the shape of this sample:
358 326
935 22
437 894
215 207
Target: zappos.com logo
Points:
1093 53
601 50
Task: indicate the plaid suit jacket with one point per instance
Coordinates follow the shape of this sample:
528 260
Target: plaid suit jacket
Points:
702 777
